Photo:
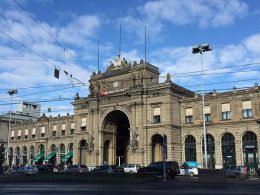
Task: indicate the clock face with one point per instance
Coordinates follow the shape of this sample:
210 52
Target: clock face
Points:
115 84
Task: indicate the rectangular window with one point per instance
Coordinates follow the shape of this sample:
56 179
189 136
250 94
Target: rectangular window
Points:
43 132
226 114
247 113
72 127
207 113
207 117
247 109
33 132
54 134
63 132
25 136
188 119
157 115
188 115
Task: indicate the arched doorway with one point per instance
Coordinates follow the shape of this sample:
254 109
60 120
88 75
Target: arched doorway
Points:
62 153
228 150
190 148
83 152
249 142
106 152
11 156
25 161
18 156
116 138
157 148
210 151
32 154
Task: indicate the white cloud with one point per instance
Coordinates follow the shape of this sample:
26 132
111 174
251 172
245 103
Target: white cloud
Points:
202 13
252 43
79 29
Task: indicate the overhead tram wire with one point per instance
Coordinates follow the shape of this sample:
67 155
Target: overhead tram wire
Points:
40 56
60 44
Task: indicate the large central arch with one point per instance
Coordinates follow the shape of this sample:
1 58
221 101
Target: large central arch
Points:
116 134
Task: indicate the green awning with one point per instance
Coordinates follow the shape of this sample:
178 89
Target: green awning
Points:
50 156
38 157
67 157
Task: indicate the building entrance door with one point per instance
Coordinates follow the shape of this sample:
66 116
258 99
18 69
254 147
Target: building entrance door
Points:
116 138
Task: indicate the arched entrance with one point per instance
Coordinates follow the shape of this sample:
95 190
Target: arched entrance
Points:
25 155
18 156
157 148
32 154
190 148
228 150
116 138
11 156
249 142
83 152
210 151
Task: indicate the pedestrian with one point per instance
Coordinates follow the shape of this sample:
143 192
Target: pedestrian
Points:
186 169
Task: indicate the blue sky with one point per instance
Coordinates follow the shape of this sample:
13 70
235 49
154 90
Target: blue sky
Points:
231 27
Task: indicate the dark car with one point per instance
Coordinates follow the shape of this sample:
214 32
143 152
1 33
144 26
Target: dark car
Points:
107 169
23 170
76 169
171 168
45 168
236 171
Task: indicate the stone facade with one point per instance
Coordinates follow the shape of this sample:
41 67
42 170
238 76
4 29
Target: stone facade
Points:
128 114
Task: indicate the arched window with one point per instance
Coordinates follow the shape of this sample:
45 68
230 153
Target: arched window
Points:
190 148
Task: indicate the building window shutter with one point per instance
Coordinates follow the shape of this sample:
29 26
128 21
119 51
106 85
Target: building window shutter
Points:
54 128
43 130
63 126
26 132
246 105
12 133
83 122
72 126
226 107
19 132
188 112
157 111
207 110
33 131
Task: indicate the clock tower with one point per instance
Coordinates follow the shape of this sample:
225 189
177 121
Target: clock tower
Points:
121 76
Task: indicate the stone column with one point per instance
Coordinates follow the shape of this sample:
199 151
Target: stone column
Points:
199 154
218 155
239 152
75 151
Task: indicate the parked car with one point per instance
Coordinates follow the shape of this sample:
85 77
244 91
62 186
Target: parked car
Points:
107 169
131 168
24 170
191 171
76 169
171 168
236 171
45 168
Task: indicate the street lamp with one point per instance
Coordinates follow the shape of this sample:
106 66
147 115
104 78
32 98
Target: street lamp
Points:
11 92
201 49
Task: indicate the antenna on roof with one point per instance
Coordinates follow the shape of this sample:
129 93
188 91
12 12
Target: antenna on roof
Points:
98 56
119 54
145 43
